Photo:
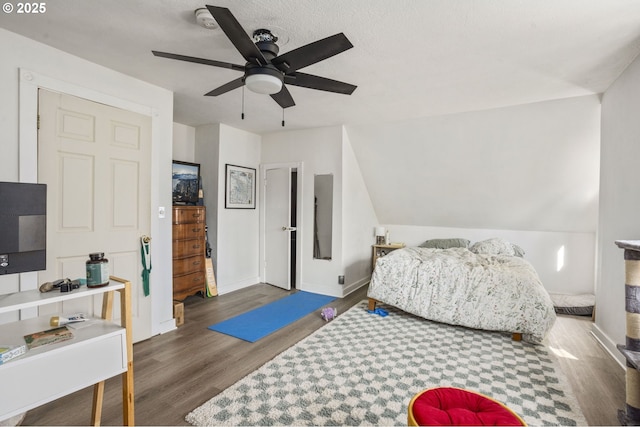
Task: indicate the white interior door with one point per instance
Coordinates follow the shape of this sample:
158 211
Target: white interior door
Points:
278 227
95 160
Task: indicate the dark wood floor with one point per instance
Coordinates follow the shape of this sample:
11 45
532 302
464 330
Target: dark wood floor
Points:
178 371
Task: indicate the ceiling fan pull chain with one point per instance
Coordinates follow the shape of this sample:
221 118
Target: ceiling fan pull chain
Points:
242 115
283 117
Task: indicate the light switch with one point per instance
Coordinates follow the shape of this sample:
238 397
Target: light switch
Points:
161 212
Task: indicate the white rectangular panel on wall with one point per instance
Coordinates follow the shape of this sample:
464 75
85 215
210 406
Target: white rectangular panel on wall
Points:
126 264
74 267
75 125
125 135
75 197
71 268
125 178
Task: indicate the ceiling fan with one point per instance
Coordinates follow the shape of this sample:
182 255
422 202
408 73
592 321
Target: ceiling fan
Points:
265 72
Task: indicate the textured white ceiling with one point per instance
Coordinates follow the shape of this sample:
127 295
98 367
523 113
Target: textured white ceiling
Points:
411 58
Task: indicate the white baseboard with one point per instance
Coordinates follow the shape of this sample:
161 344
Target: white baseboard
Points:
608 345
230 287
352 287
331 290
319 289
166 326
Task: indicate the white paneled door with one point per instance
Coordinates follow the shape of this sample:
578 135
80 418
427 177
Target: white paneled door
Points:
277 269
95 160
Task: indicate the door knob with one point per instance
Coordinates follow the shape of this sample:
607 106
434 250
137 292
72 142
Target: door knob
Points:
284 228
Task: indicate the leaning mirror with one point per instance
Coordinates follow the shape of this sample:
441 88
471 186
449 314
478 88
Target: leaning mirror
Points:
322 216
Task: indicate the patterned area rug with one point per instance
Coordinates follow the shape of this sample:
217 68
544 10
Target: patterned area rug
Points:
363 369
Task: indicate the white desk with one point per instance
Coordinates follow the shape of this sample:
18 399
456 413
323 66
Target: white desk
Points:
96 352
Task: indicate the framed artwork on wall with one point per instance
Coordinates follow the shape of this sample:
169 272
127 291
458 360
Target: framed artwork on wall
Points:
240 187
185 181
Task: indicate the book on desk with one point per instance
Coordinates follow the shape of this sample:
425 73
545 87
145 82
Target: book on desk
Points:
49 336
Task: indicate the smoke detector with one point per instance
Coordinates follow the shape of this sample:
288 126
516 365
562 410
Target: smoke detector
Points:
204 19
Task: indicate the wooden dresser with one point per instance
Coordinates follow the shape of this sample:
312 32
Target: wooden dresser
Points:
189 247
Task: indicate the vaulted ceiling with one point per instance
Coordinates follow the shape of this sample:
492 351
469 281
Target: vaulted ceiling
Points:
411 58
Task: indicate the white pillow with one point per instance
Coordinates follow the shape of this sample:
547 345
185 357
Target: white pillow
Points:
494 246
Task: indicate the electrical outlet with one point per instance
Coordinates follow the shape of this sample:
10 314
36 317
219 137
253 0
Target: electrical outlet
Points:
341 280
4 260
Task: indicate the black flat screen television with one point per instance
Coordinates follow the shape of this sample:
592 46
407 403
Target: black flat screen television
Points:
185 182
23 227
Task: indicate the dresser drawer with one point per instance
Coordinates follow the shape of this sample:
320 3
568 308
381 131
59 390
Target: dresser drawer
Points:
188 231
188 265
188 214
189 247
189 284
186 248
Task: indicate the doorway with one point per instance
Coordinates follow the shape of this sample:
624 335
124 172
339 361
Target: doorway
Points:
95 160
281 225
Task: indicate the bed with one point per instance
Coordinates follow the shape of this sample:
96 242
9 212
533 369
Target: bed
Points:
486 286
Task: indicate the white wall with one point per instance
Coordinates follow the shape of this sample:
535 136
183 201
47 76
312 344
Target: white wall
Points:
238 229
184 141
619 202
85 79
320 152
207 154
527 167
233 233
328 151
528 173
573 275
358 219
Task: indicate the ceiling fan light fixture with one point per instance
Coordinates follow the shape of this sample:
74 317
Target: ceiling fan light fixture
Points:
265 71
263 83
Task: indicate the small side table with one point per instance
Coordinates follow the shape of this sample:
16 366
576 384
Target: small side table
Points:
382 250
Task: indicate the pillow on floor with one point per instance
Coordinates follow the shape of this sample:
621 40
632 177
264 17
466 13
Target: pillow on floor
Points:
575 305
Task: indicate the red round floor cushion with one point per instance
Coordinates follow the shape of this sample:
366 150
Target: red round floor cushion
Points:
450 406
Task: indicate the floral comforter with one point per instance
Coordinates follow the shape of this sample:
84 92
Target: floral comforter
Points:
459 287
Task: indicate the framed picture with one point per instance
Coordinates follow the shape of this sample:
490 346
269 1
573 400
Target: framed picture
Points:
185 182
240 187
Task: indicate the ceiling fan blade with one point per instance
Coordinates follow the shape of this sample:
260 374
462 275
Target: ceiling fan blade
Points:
199 60
284 98
312 53
233 84
237 35
320 83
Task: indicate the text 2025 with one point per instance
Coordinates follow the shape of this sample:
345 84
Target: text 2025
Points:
31 7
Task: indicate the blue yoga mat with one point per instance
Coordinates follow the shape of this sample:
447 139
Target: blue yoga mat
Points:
265 320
